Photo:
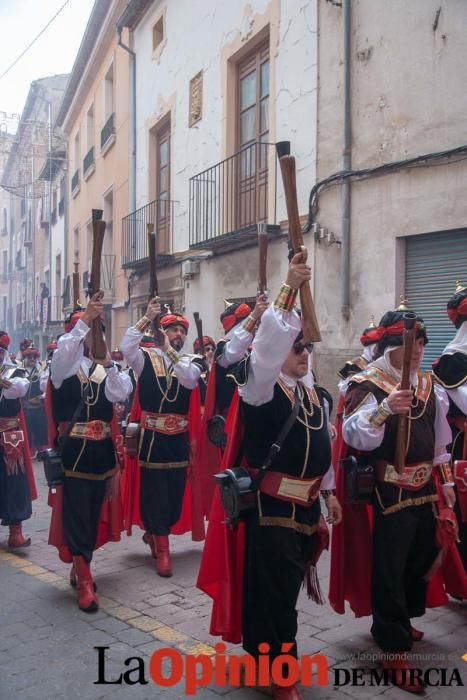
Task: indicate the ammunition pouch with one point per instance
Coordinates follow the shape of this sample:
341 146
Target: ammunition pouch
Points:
53 466
359 479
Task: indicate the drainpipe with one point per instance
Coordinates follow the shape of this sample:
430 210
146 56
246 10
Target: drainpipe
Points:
346 165
132 115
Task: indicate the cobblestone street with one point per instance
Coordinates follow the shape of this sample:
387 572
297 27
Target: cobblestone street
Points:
46 643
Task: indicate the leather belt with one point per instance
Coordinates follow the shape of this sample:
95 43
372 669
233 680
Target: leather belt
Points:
166 423
413 477
92 430
8 424
303 492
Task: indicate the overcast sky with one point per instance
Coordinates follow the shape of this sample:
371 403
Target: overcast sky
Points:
54 52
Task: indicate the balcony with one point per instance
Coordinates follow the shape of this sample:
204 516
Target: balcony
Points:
108 135
107 277
75 186
19 260
230 199
61 207
160 214
89 164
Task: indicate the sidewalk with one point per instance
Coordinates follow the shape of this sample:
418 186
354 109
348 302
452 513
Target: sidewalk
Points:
46 643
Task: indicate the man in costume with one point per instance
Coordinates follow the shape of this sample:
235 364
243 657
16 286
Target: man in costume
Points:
17 484
404 525
33 401
169 412
209 346
282 534
83 391
451 372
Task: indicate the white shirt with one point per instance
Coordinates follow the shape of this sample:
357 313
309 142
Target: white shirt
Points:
187 372
19 385
271 345
69 358
238 342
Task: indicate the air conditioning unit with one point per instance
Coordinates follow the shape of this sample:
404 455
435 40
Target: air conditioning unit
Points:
190 268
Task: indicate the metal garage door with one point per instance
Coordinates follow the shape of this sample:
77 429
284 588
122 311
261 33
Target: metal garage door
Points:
433 264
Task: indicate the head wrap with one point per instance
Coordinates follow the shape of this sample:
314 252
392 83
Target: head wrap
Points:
25 343
51 346
457 307
206 341
31 351
73 319
116 355
233 314
4 340
174 320
391 328
147 341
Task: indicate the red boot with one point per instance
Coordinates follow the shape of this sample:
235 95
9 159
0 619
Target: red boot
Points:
163 563
280 692
150 540
402 680
417 635
74 579
16 538
87 598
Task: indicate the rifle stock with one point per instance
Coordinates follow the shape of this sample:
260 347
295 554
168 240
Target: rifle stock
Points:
311 332
402 419
99 346
263 241
153 284
76 286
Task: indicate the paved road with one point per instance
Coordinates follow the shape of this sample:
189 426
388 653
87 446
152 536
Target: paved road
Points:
47 644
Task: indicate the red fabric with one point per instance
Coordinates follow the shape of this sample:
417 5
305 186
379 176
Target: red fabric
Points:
206 341
192 516
208 456
52 346
73 320
174 320
4 341
221 571
110 524
31 352
460 311
27 457
370 336
241 311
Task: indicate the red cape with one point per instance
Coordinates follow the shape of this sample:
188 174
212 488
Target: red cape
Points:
351 558
27 457
221 570
192 515
208 457
111 515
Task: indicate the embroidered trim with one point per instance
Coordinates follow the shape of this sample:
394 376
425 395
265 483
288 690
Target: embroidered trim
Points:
421 500
387 383
163 465
449 386
272 521
91 477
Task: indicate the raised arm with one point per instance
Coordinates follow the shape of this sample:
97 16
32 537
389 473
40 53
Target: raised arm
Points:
132 338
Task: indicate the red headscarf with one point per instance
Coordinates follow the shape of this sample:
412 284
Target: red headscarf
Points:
72 320
461 310
174 320
4 340
116 355
233 314
52 346
31 352
206 341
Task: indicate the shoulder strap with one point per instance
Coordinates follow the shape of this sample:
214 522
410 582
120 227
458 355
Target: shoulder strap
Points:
77 410
277 444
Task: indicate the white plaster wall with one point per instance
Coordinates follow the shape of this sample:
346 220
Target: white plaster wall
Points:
197 32
57 248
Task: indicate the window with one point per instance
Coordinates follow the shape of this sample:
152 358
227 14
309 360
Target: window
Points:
5 222
76 244
163 189
77 153
5 263
109 93
90 128
253 130
158 33
4 314
87 262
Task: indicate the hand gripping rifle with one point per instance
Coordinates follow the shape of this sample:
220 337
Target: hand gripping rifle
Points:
199 331
311 332
153 284
408 336
99 346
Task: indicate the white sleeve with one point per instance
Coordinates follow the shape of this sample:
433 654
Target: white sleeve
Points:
235 348
272 344
18 389
443 433
67 358
118 385
459 396
131 351
187 372
358 432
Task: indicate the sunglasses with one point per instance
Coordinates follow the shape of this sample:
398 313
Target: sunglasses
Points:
209 348
299 347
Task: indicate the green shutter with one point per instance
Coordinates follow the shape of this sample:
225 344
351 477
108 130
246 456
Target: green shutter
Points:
434 262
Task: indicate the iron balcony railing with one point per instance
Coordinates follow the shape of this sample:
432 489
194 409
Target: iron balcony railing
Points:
88 160
75 181
107 131
107 276
160 214
56 314
234 195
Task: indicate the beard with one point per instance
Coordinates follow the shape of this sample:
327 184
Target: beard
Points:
177 344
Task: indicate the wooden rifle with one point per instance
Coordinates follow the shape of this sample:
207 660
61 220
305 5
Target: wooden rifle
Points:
153 283
263 241
408 337
99 345
76 286
311 332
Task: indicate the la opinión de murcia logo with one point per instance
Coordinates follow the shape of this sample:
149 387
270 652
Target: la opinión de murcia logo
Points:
168 667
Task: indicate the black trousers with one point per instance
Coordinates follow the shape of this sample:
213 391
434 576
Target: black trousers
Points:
161 498
15 496
82 502
403 551
275 564
36 423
